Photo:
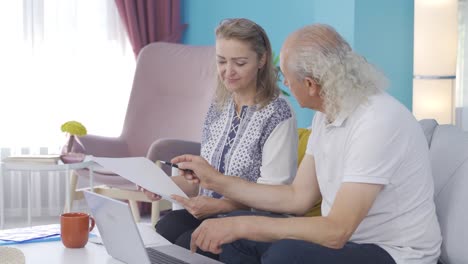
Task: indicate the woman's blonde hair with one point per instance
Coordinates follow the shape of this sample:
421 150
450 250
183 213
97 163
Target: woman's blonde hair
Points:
249 32
345 77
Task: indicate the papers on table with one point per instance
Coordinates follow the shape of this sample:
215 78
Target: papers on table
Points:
144 173
42 233
28 234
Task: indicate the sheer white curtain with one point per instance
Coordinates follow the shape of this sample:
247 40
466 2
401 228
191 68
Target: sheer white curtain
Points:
462 67
60 60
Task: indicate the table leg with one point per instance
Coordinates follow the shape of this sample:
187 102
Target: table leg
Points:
155 212
67 190
28 184
91 178
175 206
2 196
135 210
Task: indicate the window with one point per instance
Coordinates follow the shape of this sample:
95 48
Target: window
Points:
61 60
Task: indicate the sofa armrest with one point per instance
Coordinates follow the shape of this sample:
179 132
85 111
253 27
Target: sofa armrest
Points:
166 149
103 146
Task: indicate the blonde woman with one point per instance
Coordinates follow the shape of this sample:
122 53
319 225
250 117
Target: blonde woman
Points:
249 131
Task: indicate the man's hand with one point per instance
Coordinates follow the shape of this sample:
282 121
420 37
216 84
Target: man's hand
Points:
200 206
152 196
203 172
213 233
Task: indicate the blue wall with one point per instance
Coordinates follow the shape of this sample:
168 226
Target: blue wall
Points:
382 31
384 35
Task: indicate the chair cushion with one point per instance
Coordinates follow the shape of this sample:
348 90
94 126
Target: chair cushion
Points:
428 126
449 156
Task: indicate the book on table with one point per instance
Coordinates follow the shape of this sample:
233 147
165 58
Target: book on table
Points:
42 159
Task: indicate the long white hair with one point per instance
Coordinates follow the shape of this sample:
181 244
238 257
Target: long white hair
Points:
346 78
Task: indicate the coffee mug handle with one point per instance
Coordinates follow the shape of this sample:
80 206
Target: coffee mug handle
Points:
92 223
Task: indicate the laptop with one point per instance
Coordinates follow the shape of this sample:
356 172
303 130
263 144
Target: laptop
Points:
122 239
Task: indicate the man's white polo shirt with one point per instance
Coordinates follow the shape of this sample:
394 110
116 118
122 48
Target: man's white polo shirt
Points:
381 143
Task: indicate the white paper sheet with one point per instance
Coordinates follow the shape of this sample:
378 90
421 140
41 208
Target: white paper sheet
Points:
144 173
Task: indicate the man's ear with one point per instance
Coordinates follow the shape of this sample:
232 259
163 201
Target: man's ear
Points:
312 86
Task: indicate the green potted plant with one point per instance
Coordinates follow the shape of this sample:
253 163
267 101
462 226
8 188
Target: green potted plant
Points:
278 70
74 130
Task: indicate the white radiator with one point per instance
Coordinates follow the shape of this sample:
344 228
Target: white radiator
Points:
47 188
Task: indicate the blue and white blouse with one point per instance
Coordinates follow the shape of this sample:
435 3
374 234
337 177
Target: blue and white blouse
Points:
256 145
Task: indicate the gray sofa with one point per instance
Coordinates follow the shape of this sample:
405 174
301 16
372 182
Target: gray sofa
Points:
448 147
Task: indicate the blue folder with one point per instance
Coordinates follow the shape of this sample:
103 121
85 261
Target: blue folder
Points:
35 240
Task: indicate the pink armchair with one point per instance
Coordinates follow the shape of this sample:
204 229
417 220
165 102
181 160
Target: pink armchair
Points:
172 90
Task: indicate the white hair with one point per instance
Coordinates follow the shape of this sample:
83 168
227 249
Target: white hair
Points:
346 78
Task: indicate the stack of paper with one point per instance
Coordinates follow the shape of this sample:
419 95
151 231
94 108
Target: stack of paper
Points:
30 234
43 159
43 233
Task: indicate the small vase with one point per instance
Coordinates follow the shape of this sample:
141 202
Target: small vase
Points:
72 157
73 150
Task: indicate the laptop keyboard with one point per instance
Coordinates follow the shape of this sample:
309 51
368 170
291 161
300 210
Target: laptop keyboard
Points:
162 258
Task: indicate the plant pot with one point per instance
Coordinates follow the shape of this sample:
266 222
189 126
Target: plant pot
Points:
72 157
72 151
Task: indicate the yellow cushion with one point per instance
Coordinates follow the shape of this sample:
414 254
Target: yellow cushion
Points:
302 146
316 210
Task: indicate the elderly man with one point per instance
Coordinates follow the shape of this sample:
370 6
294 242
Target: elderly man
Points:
367 158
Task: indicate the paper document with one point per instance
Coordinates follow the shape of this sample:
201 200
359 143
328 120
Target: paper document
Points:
144 173
29 233
34 234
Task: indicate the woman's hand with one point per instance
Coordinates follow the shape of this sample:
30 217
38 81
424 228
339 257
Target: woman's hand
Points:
203 172
200 206
152 196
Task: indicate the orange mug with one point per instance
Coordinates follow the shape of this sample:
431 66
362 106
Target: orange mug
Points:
75 228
